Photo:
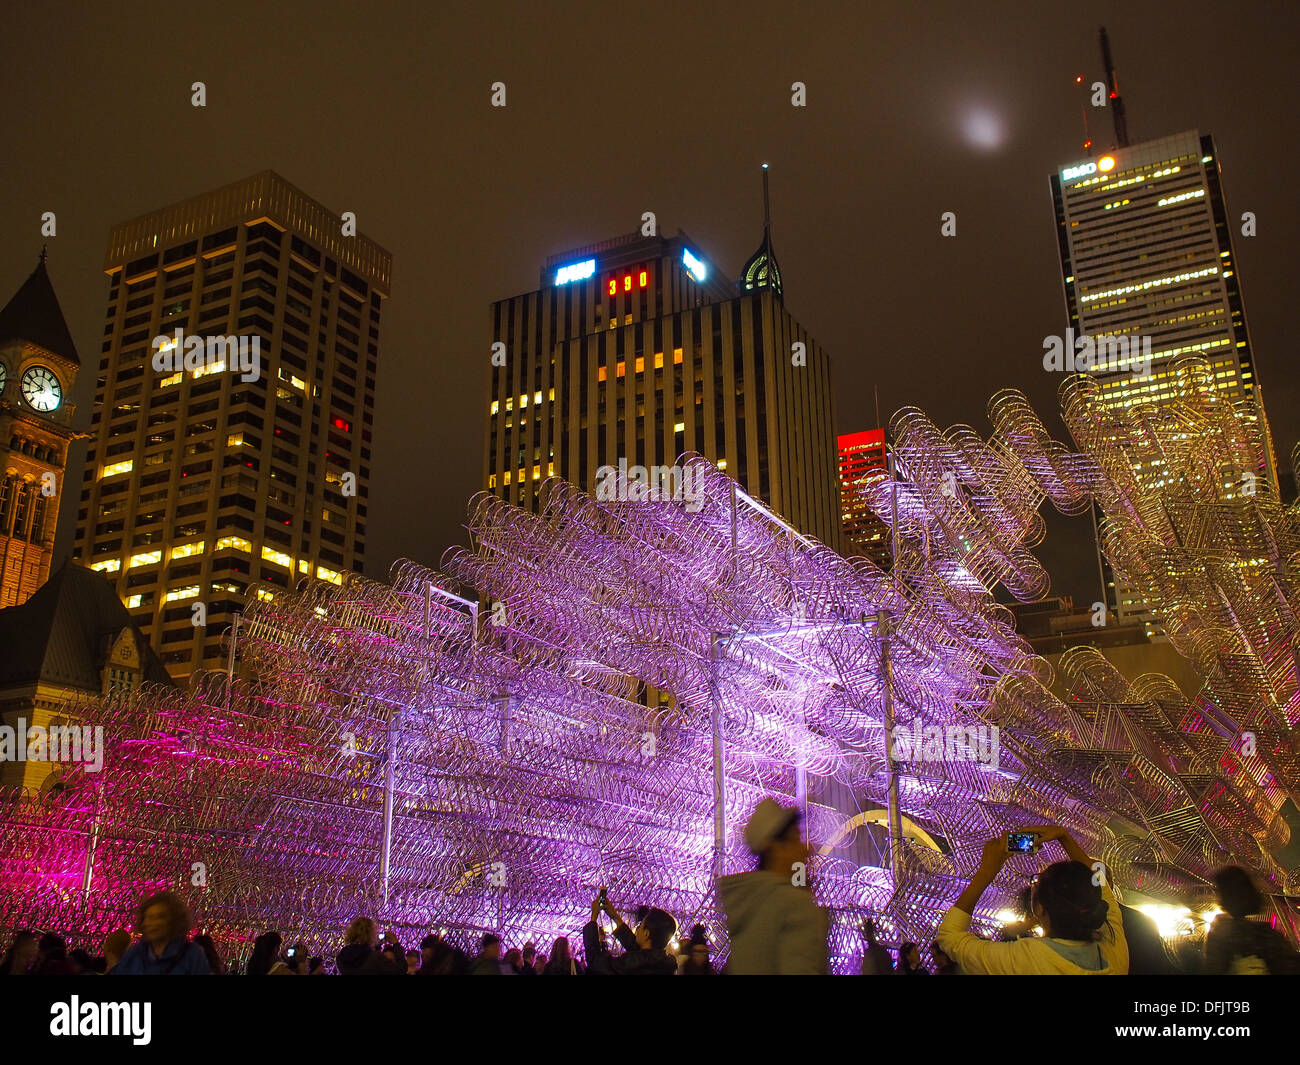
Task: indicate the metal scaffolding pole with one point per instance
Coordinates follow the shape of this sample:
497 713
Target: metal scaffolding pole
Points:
719 764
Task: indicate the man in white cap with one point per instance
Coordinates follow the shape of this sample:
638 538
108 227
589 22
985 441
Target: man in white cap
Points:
773 921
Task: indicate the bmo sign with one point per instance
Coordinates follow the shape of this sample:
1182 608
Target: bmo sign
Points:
1104 164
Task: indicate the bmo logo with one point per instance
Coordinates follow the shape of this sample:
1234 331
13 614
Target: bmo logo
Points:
1104 164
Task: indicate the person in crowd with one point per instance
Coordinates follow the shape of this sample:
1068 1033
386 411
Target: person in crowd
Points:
909 961
360 956
392 950
412 962
488 962
440 958
1237 946
266 954
85 964
943 965
539 966
562 962
875 959
209 948
1148 953
20 956
295 958
697 954
52 957
775 925
316 966
1083 931
115 945
513 961
163 922
528 960
645 950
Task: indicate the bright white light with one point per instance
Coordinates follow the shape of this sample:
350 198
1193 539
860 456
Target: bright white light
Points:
698 270
575 272
983 128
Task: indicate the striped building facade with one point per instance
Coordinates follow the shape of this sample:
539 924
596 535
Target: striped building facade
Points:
635 349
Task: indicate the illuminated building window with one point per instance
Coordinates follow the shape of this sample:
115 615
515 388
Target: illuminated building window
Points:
278 557
264 595
620 369
109 565
171 379
185 550
329 575
145 558
659 360
188 592
505 477
237 542
134 601
117 467
496 405
492 480
677 356
235 440
640 364
680 427
304 566
601 374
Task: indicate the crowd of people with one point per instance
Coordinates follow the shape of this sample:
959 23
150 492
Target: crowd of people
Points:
1070 923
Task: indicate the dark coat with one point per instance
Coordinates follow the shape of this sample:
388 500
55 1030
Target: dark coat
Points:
633 962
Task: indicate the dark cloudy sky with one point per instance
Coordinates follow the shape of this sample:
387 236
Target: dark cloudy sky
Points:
619 108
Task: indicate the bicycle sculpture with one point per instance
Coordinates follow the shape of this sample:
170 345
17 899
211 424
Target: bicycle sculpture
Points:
599 693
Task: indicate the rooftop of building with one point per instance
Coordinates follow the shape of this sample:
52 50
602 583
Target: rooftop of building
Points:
34 315
62 635
263 195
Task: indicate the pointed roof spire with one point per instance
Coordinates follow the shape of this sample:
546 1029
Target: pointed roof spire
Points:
762 269
34 315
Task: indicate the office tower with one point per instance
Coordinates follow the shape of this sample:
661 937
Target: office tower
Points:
862 458
233 410
38 365
635 349
1146 245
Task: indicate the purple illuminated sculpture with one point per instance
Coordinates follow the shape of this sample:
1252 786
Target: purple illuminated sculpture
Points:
640 674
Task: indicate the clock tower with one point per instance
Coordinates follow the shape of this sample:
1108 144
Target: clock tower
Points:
38 365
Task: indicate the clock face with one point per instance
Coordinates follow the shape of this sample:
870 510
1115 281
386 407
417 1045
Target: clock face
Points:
4 374
42 389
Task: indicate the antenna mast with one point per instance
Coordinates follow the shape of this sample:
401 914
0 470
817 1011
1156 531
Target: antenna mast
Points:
1116 101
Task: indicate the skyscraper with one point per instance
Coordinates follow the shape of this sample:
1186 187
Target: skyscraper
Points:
862 455
38 366
1149 268
233 410
635 348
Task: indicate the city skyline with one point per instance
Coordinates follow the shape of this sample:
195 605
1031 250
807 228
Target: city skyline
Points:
860 178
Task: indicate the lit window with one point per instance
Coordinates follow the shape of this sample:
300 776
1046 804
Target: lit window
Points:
304 566
171 379
185 550
235 440
134 601
329 575
145 558
109 565
278 557
189 592
680 427
640 364
236 542
659 360
115 468
265 595
496 405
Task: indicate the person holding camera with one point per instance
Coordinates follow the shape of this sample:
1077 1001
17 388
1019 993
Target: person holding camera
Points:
645 949
1083 930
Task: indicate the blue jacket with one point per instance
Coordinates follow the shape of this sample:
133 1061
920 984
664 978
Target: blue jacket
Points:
181 958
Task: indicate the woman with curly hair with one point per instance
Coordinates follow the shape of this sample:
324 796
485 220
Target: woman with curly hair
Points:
163 922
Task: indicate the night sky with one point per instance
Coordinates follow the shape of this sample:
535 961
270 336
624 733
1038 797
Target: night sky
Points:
614 109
